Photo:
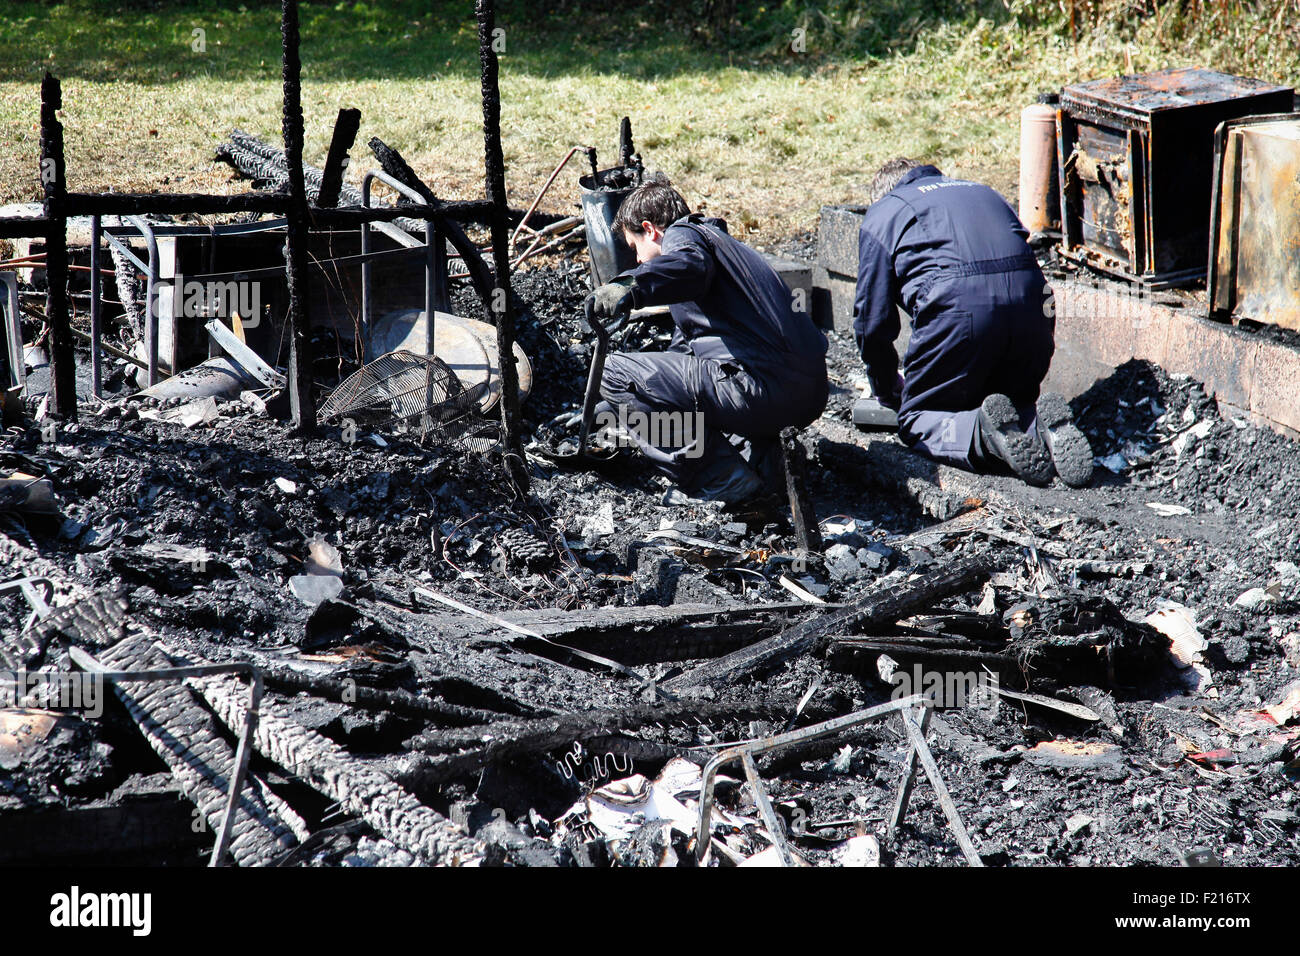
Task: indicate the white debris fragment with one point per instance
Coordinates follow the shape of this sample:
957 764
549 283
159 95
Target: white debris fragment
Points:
314 589
842 760
1191 435
600 523
1254 599
323 558
1115 463
1187 646
1077 824
1166 510
857 851
287 486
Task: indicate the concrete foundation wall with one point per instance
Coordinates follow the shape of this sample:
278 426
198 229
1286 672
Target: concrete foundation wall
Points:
1100 326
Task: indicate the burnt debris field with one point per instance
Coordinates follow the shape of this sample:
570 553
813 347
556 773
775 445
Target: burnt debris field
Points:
454 673
315 560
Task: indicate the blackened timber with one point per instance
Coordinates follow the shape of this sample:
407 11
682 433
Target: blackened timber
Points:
446 214
205 204
391 162
174 204
508 740
502 303
24 227
302 404
63 373
807 533
336 160
376 698
873 610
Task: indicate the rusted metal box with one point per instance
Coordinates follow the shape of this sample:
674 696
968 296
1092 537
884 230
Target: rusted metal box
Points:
1136 155
1255 226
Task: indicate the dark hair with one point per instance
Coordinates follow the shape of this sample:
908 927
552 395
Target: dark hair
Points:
889 175
654 202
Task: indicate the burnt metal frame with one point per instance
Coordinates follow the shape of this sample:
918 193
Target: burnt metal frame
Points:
60 205
436 297
917 751
1221 138
14 331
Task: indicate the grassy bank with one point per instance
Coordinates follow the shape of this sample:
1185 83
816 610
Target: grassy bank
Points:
748 128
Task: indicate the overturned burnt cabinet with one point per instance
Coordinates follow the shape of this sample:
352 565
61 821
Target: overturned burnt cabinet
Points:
1136 154
1255 229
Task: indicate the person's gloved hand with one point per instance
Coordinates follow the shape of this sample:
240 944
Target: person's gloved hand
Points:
613 300
891 398
895 401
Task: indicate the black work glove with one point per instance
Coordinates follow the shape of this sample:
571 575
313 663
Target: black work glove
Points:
613 300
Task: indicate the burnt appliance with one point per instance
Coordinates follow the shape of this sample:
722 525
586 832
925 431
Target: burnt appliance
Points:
1254 271
1136 156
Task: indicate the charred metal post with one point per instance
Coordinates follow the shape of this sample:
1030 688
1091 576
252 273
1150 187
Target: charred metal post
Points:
336 160
96 310
63 373
806 531
302 405
502 305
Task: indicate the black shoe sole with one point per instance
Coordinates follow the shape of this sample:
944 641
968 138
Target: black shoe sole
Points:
1027 456
1068 446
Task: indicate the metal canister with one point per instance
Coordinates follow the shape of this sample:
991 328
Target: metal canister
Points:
1040 201
610 254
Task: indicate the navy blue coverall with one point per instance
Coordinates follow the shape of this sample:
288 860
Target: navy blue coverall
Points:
954 255
740 355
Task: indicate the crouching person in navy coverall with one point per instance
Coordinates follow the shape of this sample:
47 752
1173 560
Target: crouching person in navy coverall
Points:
742 361
954 255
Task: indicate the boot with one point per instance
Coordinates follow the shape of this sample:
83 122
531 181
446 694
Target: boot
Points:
1000 437
1068 446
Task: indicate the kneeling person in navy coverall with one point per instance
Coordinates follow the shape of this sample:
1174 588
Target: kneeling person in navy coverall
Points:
954 255
742 361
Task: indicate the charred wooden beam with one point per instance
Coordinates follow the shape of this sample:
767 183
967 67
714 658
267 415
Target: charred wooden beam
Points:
880 607
302 403
24 227
357 785
466 751
136 829
63 371
375 698
183 734
446 214
173 204
807 533
336 160
502 302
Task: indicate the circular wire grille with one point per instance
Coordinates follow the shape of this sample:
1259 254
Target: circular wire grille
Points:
413 393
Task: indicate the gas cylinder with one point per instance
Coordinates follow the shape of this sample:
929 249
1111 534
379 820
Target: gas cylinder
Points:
1040 202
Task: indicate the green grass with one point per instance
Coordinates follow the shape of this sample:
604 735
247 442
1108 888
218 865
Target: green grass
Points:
748 129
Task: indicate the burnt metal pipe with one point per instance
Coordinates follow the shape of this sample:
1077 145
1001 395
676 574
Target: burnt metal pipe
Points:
151 272
96 309
523 223
435 262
